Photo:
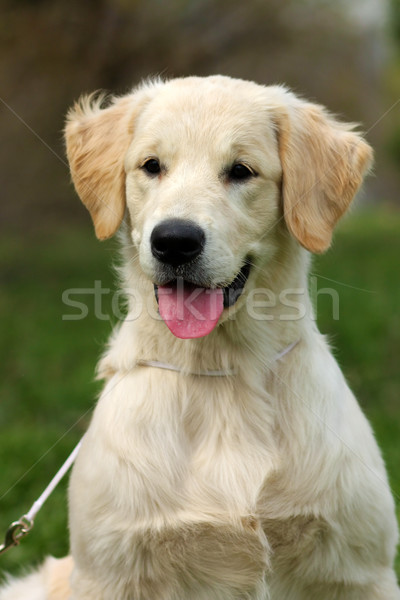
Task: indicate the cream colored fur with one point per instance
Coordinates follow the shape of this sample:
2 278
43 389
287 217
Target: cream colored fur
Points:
267 484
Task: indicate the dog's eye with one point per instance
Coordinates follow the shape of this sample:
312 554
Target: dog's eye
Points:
240 172
152 166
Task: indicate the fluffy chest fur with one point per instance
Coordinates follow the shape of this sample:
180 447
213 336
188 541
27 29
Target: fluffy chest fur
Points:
189 456
183 441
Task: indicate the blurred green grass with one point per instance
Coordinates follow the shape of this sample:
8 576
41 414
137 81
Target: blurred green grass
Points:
47 387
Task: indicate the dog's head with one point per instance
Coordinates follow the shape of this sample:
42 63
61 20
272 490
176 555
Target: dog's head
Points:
208 169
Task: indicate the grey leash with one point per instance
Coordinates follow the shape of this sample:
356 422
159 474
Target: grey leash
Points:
18 529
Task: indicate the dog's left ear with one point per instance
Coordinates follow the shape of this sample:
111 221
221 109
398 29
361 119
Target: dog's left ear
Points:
97 140
323 163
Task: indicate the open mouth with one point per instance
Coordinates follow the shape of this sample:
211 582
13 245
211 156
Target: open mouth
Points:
190 311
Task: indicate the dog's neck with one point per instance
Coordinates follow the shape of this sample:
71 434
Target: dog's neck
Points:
155 364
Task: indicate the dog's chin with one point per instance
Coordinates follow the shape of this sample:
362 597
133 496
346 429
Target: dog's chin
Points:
192 310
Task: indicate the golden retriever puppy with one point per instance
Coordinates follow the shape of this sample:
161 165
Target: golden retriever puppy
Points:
227 458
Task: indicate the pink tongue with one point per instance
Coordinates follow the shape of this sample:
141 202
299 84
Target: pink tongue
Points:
188 311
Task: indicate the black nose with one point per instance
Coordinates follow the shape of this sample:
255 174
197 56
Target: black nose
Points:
177 242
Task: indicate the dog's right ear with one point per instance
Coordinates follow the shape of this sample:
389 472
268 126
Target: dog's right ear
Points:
97 140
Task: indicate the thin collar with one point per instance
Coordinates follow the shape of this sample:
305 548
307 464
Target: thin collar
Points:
227 373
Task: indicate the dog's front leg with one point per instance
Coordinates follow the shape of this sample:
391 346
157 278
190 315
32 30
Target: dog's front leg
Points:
187 560
190 561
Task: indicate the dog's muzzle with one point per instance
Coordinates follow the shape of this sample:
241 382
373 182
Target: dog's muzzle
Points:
189 309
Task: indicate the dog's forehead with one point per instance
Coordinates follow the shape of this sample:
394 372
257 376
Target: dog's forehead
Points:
215 108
